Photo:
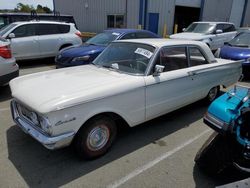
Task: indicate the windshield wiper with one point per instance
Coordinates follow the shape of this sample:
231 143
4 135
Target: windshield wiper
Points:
110 67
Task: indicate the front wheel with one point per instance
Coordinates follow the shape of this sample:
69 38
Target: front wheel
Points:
95 137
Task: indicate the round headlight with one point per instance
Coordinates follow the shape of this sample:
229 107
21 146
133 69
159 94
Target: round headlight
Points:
34 118
45 125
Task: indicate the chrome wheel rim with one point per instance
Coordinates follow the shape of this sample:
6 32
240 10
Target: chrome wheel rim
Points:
212 93
98 138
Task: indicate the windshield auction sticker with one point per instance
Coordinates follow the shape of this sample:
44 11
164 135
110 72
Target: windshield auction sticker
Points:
144 52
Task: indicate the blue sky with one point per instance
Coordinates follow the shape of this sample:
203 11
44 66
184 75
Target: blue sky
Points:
10 4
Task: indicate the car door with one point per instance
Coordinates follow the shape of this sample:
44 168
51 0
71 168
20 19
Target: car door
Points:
50 39
219 38
229 31
171 89
25 43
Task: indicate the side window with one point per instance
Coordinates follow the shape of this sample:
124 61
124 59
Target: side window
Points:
220 27
229 28
129 36
63 28
47 29
141 35
196 57
25 31
173 58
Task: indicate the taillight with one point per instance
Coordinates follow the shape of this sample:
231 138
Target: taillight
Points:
79 34
5 52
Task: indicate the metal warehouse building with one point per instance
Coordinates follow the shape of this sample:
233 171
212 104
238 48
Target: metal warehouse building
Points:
155 15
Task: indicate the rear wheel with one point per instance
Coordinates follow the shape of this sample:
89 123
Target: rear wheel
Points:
212 94
95 137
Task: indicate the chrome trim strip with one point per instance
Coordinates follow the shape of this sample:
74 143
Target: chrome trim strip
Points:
49 142
213 122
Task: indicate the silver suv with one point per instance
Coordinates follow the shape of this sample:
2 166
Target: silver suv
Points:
40 39
8 67
214 34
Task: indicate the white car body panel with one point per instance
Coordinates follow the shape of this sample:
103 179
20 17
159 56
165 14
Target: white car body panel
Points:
41 46
7 66
74 95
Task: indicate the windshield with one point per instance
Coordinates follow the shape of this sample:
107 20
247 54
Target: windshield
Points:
205 28
131 58
241 40
103 39
6 29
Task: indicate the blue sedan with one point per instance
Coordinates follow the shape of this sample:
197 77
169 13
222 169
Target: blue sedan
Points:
86 53
238 49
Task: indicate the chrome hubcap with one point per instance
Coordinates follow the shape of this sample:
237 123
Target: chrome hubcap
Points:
212 93
98 138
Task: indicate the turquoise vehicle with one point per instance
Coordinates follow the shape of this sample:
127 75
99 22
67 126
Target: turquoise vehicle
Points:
229 116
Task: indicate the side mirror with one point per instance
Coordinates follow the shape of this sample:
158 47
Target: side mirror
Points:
158 70
218 31
11 36
184 29
226 43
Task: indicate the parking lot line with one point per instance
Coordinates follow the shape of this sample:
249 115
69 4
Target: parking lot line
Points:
4 109
152 163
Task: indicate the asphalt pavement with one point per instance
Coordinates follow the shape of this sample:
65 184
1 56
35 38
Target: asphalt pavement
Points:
159 153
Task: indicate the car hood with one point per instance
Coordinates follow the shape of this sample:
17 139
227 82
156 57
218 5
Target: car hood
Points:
59 89
82 50
225 107
189 36
234 53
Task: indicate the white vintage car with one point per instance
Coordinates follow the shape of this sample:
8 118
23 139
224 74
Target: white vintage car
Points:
132 80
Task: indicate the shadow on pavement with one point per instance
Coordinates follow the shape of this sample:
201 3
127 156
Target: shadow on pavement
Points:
27 64
5 93
40 167
229 175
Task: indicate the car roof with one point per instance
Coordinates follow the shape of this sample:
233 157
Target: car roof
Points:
215 22
40 21
159 42
123 31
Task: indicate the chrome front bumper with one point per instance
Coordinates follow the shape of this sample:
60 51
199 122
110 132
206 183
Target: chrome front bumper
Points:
50 142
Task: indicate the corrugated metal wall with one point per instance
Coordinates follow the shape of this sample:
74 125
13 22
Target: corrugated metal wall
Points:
91 15
165 8
247 16
217 10
133 13
236 12
188 3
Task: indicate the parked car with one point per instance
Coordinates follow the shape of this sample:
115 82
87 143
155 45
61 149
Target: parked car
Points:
40 39
8 67
243 29
131 80
238 49
214 34
86 53
229 116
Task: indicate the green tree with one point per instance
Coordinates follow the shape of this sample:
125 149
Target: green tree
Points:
24 8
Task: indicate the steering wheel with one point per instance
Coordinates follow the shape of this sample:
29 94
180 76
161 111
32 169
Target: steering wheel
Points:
138 62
